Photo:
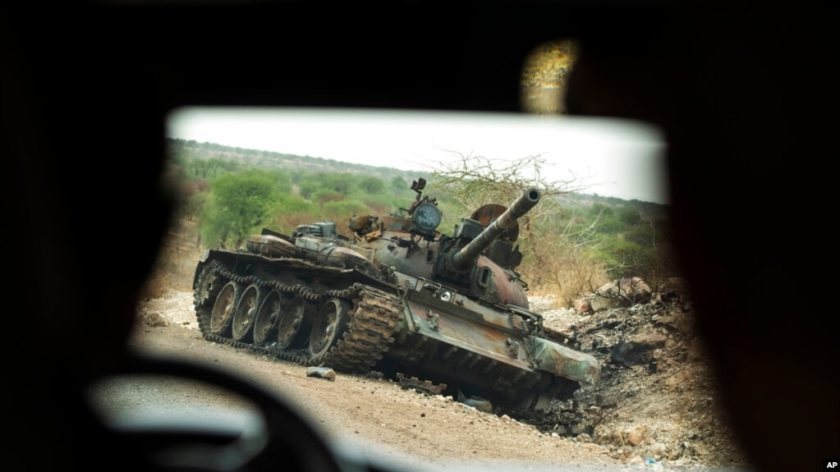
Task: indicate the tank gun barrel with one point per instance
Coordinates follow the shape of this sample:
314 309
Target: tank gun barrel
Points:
462 259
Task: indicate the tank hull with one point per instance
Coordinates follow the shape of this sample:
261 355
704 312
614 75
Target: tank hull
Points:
351 319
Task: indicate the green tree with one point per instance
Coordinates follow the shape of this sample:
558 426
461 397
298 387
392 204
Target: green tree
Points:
629 216
284 204
399 184
238 204
282 181
343 210
308 186
337 182
623 258
372 185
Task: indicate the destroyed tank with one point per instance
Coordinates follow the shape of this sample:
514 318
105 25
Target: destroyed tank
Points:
442 313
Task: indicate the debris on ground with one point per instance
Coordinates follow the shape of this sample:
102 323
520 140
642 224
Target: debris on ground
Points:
479 404
656 399
655 403
375 374
321 373
623 292
175 308
153 319
422 386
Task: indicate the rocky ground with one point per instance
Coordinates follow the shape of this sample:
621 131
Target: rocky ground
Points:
656 400
375 415
654 406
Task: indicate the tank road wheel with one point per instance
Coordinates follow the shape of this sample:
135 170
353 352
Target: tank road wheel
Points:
246 312
208 285
265 324
205 290
293 324
222 314
327 327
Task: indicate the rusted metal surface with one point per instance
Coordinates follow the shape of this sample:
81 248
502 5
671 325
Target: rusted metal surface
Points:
271 246
406 298
468 332
395 223
502 292
563 361
485 215
505 221
422 386
403 259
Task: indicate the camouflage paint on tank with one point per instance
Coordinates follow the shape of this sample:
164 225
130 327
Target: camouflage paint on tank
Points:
448 308
563 361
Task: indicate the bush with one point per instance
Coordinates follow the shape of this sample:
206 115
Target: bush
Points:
343 210
372 185
238 204
326 196
399 184
555 264
629 216
285 204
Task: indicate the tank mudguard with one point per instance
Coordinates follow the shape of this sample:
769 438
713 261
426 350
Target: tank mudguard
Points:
563 361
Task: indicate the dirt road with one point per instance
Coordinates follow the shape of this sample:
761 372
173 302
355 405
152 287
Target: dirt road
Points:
372 416
378 414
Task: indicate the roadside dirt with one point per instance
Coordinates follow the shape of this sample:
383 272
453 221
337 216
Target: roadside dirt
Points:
376 413
655 407
637 417
656 399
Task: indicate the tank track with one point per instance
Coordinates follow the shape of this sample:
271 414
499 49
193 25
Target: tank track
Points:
369 333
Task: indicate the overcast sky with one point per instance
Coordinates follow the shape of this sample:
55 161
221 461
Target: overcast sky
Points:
614 158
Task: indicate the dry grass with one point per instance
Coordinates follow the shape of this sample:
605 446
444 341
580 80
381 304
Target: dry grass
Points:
567 281
560 268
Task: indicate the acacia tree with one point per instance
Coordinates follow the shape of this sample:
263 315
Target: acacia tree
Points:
476 180
557 257
238 204
372 184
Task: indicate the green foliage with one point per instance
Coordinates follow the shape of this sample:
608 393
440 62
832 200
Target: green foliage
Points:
194 204
383 203
327 195
399 184
608 224
571 241
621 258
640 234
211 168
342 210
629 216
238 204
372 185
308 186
282 181
336 182
289 203
601 210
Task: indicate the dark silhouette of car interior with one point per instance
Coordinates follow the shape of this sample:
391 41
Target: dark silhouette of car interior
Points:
746 97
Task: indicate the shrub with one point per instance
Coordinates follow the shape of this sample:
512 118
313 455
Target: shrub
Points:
238 204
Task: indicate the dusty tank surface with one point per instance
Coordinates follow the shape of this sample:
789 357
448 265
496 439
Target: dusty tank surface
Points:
445 313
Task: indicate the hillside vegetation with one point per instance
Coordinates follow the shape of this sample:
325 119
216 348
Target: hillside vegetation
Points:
575 243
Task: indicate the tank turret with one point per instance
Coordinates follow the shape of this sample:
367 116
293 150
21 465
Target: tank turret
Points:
464 258
459 254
